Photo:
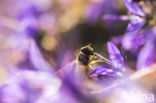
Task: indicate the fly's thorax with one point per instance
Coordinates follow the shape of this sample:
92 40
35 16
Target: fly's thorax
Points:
87 50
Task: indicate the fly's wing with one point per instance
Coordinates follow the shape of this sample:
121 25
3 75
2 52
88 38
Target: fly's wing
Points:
74 72
67 69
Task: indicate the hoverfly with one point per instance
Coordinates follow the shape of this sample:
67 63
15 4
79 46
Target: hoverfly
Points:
84 61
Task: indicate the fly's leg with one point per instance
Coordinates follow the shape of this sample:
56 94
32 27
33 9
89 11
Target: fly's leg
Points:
100 57
92 57
90 67
96 61
93 62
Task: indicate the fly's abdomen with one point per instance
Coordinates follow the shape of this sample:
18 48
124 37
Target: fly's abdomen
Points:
83 59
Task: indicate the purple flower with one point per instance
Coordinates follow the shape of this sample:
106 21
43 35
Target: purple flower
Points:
116 17
28 11
34 87
137 21
37 59
135 24
95 10
133 41
116 64
115 56
28 15
105 71
29 26
147 54
134 7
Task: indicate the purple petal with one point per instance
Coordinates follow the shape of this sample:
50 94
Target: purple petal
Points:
103 70
29 10
29 26
37 59
132 41
146 56
94 10
124 54
150 34
135 24
115 56
115 17
117 40
134 7
30 87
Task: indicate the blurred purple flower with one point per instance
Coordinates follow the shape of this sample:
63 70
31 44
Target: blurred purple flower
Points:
28 15
116 17
29 26
34 87
137 21
115 56
134 7
29 10
135 24
147 54
40 86
37 59
97 9
105 71
133 41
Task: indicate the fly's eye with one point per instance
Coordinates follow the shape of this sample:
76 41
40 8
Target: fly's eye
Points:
87 50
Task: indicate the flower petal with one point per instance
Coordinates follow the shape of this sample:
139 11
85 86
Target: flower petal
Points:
115 56
105 71
146 56
94 10
134 7
135 24
29 87
37 59
132 41
116 17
